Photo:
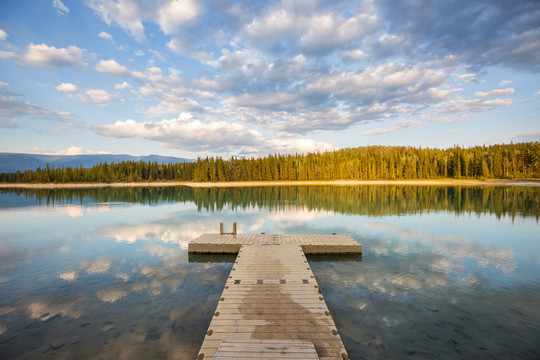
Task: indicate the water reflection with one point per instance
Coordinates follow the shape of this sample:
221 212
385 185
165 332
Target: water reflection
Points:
169 228
211 258
370 200
423 313
456 248
104 273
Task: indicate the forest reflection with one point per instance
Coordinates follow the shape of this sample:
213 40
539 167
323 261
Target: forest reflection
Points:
371 200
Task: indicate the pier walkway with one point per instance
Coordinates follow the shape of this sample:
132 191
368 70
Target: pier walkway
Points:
271 306
310 243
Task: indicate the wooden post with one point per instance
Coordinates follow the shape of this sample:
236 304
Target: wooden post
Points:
221 232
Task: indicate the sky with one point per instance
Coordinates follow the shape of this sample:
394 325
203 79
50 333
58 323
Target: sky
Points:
227 78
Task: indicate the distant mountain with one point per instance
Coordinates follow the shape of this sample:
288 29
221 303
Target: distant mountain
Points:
13 162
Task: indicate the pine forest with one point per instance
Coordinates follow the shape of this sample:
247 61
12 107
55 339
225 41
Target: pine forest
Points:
508 161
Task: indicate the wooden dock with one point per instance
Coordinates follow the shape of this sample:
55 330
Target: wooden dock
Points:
310 243
271 306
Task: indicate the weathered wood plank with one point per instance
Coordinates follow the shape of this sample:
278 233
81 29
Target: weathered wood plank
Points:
271 293
311 244
265 349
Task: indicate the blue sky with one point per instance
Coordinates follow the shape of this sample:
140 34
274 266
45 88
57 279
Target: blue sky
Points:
188 78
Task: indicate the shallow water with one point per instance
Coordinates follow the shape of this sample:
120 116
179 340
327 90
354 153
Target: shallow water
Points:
447 272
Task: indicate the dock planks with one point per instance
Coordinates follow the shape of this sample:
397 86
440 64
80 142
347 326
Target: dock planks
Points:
272 295
310 243
266 349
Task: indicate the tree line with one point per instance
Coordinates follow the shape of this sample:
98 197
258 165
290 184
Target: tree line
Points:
506 161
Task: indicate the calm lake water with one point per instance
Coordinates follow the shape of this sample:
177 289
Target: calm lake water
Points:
447 272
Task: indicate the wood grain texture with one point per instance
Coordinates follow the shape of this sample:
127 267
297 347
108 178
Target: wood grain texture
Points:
271 294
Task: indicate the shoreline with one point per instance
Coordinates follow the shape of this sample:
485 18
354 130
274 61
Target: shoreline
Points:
441 182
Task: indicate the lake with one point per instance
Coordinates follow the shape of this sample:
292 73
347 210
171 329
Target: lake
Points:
447 271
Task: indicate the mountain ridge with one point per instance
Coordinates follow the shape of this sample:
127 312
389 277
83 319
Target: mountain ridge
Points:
13 162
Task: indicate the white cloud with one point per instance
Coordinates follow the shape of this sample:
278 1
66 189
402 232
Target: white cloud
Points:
174 14
505 82
335 101
354 55
3 35
329 31
72 150
497 92
13 105
139 53
61 8
125 13
388 44
121 86
186 132
202 55
301 121
286 69
298 145
265 100
467 78
97 96
171 100
318 32
178 46
537 93
50 57
7 55
272 25
465 107
67 87
106 36
111 67
165 89
386 82
248 61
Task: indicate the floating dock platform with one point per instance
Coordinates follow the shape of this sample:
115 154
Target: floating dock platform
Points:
310 244
271 306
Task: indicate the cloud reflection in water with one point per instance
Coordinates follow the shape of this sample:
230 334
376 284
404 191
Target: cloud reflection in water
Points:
115 282
459 248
